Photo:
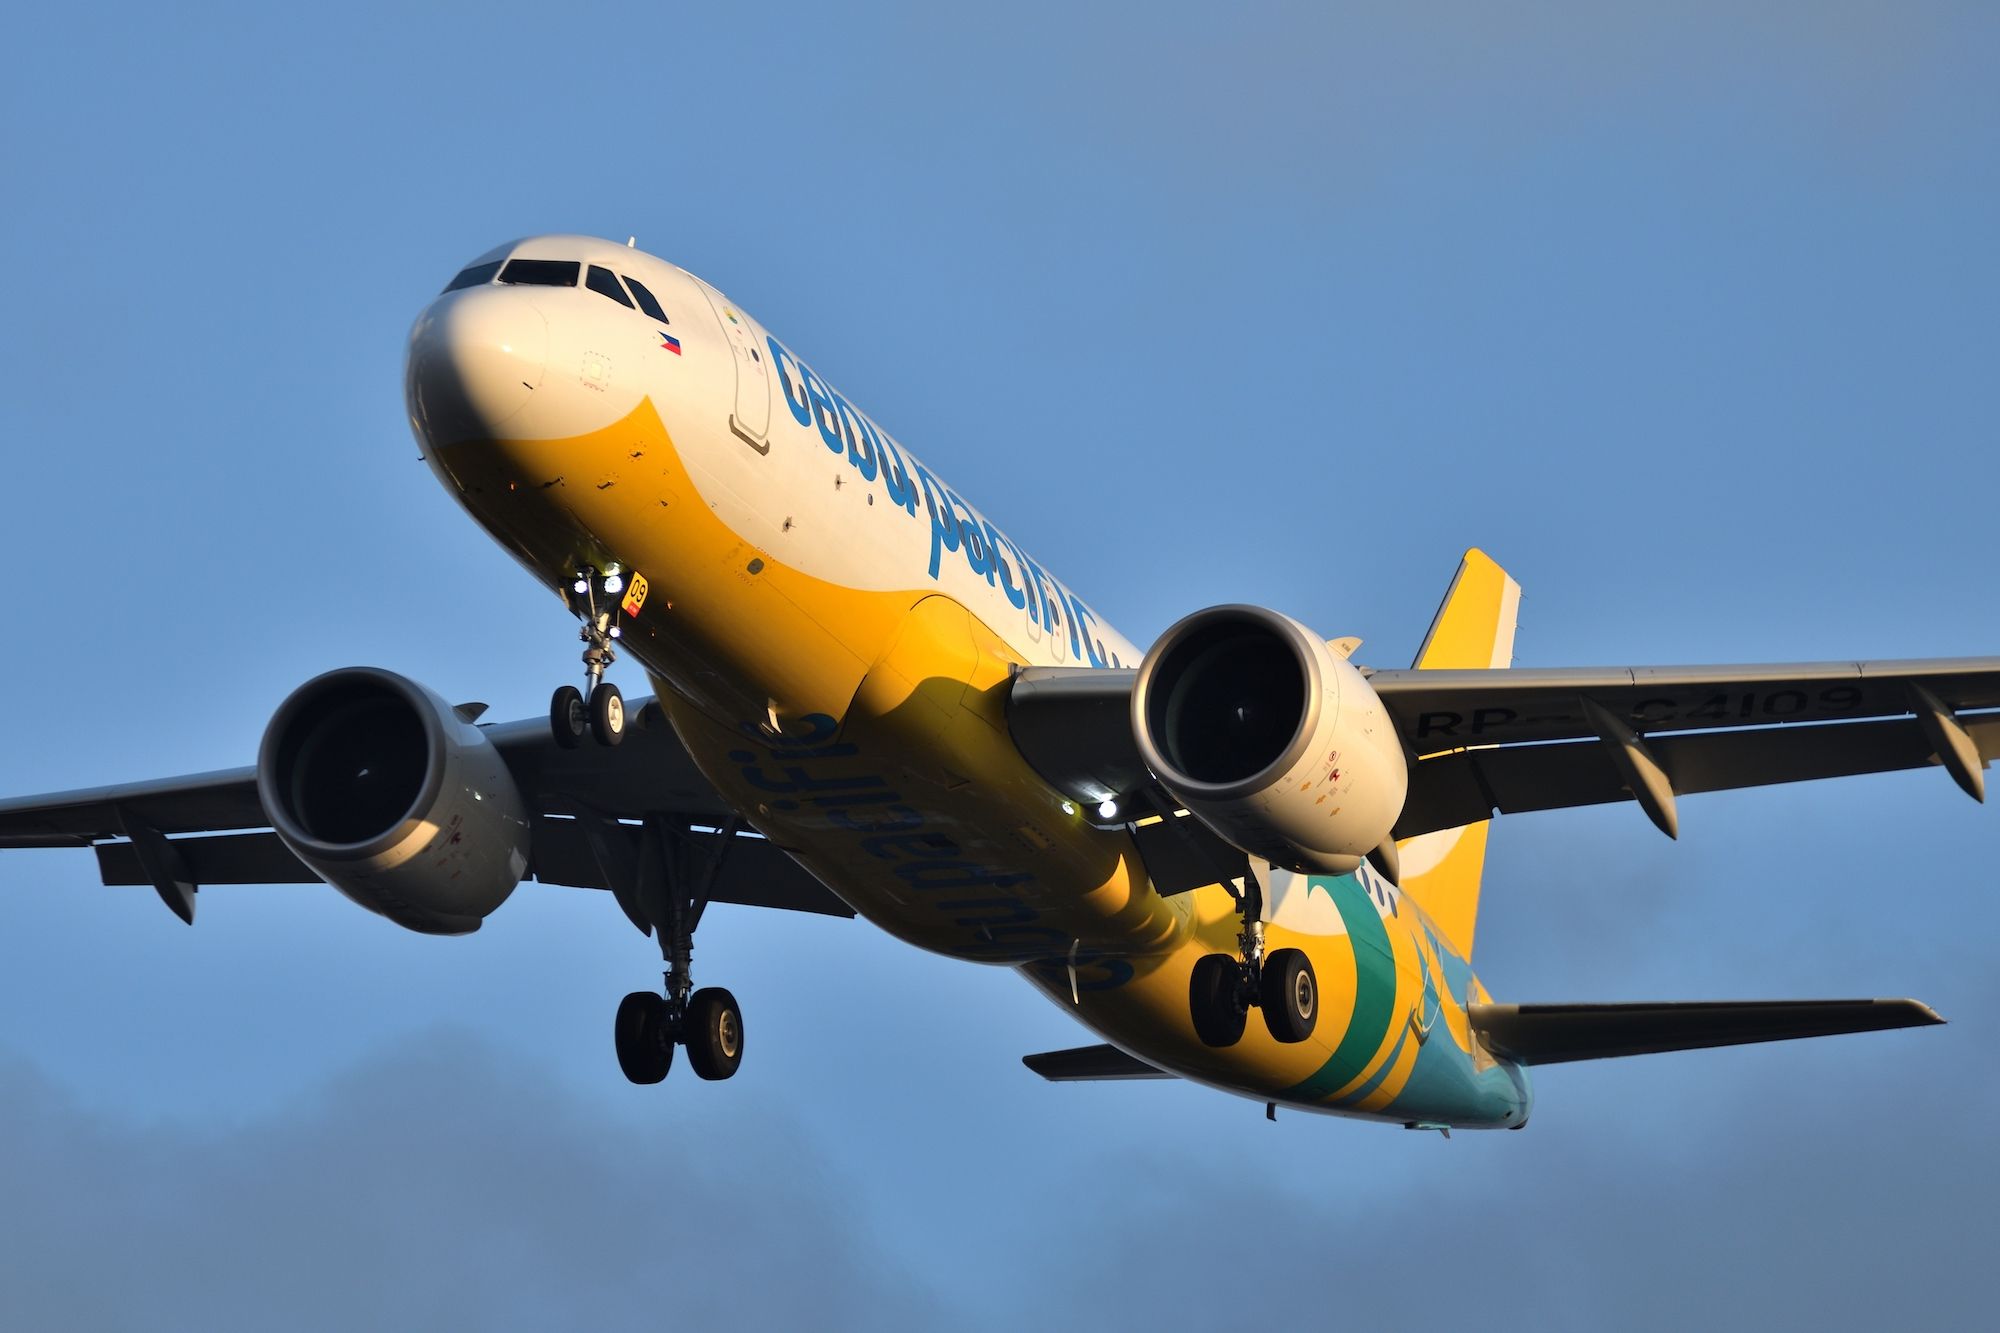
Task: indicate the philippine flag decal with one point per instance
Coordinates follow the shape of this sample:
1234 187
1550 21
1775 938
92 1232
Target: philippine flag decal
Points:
669 343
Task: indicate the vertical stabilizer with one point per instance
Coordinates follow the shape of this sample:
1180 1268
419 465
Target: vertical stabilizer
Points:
1474 628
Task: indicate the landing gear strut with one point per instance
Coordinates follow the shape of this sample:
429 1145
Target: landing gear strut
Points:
667 892
597 710
1224 988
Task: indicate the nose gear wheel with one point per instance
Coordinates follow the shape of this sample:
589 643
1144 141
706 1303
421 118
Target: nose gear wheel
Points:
569 717
597 710
607 714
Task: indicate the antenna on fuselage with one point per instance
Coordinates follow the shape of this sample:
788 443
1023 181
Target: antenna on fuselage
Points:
631 242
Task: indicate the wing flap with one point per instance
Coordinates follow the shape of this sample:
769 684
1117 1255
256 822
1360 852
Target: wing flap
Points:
1440 710
1091 1064
235 858
1462 786
754 872
1182 853
1547 1034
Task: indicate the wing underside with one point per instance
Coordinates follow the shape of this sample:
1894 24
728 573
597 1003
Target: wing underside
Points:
1508 741
588 808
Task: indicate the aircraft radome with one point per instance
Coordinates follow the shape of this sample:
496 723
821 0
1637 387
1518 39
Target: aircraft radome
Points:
1237 856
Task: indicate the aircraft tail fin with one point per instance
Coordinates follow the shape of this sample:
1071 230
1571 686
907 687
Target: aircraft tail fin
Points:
1474 628
1547 1034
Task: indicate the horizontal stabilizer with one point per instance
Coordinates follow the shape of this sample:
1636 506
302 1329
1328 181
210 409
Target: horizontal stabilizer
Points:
1090 1064
1547 1034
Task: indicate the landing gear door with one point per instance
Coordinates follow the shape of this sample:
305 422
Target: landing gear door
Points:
751 418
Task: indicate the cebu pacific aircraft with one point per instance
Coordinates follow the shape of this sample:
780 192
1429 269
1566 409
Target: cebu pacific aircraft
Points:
1238 857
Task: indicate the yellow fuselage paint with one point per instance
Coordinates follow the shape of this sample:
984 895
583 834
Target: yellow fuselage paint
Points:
863 732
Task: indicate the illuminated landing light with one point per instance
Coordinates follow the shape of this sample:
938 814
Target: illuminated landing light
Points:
614 584
1069 807
581 585
617 633
1108 810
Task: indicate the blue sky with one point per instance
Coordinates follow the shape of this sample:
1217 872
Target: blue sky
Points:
1687 317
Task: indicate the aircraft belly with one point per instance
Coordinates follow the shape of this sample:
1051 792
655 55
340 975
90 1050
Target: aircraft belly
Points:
912 804
1391 1043
863 731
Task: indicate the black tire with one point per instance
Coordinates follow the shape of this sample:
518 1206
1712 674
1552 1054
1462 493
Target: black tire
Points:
569 720
1288 993
645 1047
1215 1001
607 714
713 1033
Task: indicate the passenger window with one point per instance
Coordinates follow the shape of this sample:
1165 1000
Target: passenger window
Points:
646 301
476 276
605 283
541 272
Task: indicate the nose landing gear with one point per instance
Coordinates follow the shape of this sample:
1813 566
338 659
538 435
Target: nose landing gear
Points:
598 710
1224 988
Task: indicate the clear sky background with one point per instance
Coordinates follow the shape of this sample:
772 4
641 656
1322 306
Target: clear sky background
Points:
1687 316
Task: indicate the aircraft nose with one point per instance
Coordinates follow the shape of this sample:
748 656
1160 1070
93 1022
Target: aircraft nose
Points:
476 359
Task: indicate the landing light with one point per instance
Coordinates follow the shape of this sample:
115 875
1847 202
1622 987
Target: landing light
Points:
613 583
617 633
581 585
1108 810
1069 807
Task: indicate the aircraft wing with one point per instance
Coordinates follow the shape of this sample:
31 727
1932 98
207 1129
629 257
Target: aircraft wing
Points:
1510 741
218 833
1506 741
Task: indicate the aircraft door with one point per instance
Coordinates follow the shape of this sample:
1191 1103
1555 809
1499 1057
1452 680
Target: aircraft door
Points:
1058 631
751 419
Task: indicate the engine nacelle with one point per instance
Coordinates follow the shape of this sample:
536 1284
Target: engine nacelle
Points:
394 799
1270 738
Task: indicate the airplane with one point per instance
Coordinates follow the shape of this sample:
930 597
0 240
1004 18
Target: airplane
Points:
868 699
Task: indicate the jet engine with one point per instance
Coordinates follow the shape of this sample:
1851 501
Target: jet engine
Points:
1270 738
390 796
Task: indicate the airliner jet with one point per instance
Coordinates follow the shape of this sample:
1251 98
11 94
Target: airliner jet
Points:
1237 857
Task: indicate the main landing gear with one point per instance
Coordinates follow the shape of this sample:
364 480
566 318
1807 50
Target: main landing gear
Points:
1225 987
670 891
598 710
710 1026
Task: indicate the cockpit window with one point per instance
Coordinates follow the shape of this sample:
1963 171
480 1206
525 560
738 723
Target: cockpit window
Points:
646 301
605 283
541 272
476 276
